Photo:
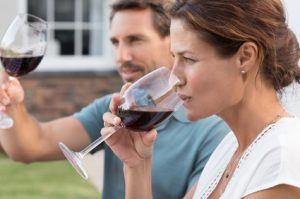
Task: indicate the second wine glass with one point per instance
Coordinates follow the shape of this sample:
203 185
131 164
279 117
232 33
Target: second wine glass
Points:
22 49
145 104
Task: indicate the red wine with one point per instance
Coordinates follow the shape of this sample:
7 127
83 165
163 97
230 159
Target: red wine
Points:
143 118
18 66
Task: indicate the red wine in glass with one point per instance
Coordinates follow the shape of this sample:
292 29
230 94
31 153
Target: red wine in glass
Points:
19 66
143 118
145 104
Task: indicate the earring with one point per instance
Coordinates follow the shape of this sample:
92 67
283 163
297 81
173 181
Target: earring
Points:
243 72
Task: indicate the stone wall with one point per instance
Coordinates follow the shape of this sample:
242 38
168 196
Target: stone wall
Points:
52 95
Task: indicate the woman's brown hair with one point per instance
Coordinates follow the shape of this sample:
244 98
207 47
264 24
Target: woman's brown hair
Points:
227 24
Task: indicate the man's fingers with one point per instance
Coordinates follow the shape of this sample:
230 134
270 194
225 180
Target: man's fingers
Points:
4 77
4 98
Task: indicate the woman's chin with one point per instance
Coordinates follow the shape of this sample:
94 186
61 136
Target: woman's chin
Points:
193 116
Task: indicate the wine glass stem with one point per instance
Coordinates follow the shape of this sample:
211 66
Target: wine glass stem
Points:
91 146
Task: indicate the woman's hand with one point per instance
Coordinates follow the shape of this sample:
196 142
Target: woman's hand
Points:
130 146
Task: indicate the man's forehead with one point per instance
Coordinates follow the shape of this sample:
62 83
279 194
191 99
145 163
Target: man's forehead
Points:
131 23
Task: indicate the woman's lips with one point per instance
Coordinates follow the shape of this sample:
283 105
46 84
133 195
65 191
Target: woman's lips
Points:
184 98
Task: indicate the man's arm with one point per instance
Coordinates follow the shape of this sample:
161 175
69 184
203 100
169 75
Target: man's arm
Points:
30 140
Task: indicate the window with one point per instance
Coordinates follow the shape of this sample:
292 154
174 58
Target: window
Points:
78 34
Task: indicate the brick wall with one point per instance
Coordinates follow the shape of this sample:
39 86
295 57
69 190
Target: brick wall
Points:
52 95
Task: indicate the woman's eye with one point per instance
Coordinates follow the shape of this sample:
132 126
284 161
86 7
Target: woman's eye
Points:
189 60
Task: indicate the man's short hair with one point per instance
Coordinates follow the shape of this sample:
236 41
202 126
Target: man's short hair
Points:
160 18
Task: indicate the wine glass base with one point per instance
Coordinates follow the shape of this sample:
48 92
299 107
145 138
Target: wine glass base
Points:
74 159
6 122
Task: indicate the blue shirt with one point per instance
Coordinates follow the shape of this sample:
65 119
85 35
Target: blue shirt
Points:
181 150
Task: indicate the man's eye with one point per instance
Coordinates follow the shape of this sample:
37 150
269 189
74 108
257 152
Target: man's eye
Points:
114 43
134 39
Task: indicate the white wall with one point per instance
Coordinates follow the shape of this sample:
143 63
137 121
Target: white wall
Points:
293 15
8 10
291 98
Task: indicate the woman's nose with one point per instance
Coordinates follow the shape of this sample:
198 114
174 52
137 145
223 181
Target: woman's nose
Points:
177 75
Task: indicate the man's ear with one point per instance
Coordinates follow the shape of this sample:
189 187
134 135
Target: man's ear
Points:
248 54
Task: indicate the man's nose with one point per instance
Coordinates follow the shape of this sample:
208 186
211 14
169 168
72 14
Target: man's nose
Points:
124 54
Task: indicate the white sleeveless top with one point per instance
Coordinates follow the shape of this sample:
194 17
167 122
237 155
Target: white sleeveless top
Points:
272 159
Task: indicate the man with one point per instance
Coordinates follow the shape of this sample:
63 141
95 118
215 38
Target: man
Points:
139 32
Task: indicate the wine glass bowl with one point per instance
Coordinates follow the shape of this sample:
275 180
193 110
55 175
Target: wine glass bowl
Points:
149 101
22 49
23 45
145 104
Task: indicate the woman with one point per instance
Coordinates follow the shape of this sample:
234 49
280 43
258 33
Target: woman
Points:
232 57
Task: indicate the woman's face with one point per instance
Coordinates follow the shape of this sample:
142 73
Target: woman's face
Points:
209 84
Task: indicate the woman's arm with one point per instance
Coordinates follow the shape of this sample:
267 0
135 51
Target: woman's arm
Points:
134 149
138 180
190 193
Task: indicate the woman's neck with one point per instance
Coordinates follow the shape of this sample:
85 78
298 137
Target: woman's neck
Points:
252 114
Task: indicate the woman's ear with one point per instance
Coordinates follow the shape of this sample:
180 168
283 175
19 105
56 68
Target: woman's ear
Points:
248 54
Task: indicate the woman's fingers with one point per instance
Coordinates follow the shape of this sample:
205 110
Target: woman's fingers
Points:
124 88
144 143
116 99
114 103
149 137
111 120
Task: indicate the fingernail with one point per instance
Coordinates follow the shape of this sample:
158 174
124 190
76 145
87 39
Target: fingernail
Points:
116 121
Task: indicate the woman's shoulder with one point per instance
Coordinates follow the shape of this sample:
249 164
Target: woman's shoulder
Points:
283 141
289 129
276 159
290 121
289 138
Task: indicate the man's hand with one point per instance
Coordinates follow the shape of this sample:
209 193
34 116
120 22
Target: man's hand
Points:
11 92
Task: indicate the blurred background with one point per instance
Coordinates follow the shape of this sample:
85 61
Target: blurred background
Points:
78 68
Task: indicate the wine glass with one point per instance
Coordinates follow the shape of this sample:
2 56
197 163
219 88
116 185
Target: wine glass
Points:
145 104
22 49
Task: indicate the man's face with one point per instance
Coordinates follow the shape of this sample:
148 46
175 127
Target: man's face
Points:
139 48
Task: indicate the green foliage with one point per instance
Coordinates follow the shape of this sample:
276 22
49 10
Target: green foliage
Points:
50 180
